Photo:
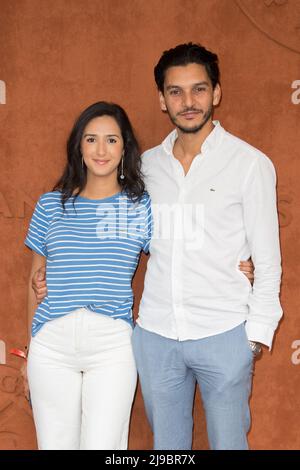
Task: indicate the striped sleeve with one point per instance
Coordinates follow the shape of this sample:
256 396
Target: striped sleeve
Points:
38 228
148 225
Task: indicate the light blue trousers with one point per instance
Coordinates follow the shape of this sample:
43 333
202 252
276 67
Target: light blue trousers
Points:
168 371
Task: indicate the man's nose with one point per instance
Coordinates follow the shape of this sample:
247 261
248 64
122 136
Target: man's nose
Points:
188 100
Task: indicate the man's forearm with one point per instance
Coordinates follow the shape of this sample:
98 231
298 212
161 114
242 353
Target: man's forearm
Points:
31 307
262 232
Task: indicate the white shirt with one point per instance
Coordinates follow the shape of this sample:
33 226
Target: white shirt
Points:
205 222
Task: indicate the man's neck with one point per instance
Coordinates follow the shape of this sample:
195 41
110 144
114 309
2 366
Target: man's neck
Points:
189 145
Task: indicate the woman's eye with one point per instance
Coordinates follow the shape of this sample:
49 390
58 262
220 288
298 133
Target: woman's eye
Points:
90 140
111 140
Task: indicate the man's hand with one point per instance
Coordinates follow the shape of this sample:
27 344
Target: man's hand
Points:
39 284
247 267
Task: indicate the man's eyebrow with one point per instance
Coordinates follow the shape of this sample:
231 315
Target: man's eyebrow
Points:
194 84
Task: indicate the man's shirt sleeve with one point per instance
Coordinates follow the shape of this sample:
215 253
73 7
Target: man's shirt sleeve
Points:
262 231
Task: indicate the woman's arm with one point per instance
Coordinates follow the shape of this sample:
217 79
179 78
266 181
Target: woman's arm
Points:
38 261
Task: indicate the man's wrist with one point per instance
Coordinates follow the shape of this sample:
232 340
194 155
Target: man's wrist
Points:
259 332
255 347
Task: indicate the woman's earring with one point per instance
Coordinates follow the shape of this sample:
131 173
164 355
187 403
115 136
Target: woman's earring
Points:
122 168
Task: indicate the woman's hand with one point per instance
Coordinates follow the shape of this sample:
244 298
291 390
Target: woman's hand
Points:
247 267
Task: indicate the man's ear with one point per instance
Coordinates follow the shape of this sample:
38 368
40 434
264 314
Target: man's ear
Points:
217 93
162 102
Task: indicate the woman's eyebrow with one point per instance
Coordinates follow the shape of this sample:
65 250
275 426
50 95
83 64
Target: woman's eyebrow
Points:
106 135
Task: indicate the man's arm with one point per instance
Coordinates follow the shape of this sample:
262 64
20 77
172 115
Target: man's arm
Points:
38 262
262 231
247 268
39 285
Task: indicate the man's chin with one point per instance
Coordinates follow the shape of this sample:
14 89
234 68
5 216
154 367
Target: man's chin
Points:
190 130
193 128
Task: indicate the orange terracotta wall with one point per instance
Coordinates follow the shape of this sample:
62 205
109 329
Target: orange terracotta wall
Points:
58 57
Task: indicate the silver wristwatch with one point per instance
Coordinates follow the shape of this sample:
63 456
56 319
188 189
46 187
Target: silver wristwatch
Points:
255 347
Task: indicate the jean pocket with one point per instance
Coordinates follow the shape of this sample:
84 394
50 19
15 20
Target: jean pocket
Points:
246 341
99 322
57 323
51 327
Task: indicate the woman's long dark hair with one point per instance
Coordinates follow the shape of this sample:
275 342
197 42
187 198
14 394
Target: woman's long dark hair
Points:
75 174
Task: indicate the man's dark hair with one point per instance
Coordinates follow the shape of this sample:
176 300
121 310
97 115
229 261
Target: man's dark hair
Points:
185 54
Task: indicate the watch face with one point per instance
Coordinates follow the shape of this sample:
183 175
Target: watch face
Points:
257 349
277 19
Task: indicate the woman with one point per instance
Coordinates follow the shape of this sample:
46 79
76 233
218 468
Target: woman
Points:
89 232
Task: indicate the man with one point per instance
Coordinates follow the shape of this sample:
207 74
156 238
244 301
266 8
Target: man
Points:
214 203
199 320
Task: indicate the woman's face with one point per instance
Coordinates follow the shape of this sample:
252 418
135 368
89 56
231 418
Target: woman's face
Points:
102 146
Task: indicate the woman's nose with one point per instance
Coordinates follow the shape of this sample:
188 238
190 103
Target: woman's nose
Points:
101 149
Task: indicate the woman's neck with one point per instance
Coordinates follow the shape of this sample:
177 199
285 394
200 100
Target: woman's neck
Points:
97 189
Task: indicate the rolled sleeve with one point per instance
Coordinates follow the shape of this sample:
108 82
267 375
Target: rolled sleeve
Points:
38 229
262 232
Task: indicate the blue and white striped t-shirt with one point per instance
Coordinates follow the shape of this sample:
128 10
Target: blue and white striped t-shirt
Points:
92 253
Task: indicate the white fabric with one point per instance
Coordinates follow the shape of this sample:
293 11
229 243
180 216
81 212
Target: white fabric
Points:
82 379
224 210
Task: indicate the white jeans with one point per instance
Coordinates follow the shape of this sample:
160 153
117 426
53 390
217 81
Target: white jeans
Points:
82 380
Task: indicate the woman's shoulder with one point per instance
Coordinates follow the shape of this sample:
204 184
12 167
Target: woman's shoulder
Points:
146 200
50 200
142 201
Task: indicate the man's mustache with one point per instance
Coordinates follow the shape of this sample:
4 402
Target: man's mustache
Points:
190 110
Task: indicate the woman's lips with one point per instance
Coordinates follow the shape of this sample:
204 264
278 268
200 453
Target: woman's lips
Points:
101 162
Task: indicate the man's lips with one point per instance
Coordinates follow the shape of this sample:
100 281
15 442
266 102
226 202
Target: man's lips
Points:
190 114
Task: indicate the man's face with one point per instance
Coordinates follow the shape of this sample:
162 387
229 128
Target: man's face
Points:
189 97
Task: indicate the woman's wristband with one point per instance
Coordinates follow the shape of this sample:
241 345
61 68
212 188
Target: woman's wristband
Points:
19 352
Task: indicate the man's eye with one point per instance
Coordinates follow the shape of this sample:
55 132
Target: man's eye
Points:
174 92
199 89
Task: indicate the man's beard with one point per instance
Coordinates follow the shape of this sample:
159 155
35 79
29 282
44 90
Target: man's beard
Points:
195 129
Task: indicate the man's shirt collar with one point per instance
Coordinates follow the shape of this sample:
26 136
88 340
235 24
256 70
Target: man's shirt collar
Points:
209 143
